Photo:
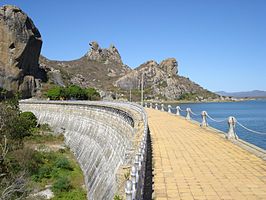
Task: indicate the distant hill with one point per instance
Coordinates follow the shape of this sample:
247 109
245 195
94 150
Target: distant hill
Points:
253 93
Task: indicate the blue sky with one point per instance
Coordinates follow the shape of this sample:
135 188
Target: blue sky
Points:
220 44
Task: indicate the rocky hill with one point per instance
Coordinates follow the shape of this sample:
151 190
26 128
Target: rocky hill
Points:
102 68
161 81
99 68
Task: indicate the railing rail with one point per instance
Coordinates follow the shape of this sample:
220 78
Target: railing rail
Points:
134 188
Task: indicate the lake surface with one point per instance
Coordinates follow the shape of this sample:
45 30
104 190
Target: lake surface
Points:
251 114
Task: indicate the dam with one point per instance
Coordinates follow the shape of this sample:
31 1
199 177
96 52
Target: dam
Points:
105 137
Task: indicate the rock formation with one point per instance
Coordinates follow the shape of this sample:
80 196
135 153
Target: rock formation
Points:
169 66
161 81
107 55
20 46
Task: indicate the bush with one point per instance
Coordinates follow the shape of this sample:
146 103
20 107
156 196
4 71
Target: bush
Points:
23 125
74 194
63 163
117 197
72 92
61 185
188 96
29 118
93 94
55 93
75 92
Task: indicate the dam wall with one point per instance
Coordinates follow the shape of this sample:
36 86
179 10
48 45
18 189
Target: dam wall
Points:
104 137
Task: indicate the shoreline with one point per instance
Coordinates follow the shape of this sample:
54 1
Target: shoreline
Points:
194 102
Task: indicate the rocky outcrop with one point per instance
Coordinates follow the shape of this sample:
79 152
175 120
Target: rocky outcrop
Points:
169 66
20 46
107 55
84 72
161 81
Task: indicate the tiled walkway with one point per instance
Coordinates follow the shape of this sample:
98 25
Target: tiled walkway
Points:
194 163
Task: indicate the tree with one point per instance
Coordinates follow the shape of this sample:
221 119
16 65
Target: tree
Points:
75 92
54 93
93 94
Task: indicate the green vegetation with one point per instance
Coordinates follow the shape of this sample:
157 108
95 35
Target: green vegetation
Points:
32 158
117 197
188 96
92 94
72 92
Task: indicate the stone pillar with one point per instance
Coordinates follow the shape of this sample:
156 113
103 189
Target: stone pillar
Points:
156 106
128 190
162 107
188 113
169 108
231 129
145 105
150 105
204 119
177 110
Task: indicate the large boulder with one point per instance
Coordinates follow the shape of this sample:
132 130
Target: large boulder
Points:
20 46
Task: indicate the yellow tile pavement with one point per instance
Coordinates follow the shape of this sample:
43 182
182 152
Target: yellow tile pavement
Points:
191 162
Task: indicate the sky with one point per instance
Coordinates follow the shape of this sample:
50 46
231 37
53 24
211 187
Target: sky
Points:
219 44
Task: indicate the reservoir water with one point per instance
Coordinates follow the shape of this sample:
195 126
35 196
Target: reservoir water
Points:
251 114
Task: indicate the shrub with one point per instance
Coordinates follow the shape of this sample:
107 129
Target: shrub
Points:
93 94
29 118
74 194
54 93
23 125
61 185
188 96
63 163
72 92
117 197
75 92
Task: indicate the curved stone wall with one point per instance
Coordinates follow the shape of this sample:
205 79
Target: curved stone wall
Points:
101 135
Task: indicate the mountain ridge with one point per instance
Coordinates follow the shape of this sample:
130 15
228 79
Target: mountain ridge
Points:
243 94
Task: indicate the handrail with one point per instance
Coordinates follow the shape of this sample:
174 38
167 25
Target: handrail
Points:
134 188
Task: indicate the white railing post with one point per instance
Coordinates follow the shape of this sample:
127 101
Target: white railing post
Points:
162 107
177 110
136 164
169 108
150 105
204 119
128 190
156 106
134 181
231 129
188 114
145 105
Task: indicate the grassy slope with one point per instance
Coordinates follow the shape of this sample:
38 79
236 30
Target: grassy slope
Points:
54 164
